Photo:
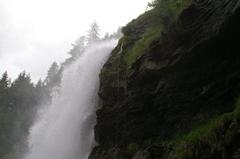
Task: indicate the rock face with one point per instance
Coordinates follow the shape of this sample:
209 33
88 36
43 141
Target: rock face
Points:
189 75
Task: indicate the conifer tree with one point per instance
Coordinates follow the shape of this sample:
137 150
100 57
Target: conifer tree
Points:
78 47
93 33
4 91
51 75
4 81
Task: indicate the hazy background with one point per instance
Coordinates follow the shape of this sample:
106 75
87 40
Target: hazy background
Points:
34 33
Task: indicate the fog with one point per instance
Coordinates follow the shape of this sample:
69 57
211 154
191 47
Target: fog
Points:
34 33
65 128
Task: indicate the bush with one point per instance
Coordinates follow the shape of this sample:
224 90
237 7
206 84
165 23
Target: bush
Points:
169 10
132 148
214 136
142 45
163 14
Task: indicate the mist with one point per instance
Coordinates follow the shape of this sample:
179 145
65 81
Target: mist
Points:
35 33
51 54
64 129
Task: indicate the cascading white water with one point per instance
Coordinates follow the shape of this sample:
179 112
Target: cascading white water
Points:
64 130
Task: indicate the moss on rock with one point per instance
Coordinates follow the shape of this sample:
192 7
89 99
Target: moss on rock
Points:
169 86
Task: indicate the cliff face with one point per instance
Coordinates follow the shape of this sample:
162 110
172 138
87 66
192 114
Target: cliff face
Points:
171 92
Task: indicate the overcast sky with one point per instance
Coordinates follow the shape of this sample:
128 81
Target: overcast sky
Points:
34 33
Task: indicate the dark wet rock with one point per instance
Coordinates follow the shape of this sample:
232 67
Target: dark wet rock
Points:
189 75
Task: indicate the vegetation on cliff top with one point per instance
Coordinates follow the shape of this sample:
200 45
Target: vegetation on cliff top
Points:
149 26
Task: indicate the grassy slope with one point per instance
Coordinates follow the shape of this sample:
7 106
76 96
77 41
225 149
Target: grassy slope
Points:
156 21
216 136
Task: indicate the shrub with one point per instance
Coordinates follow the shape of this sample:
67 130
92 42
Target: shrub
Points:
132 148
164 13
142 45
213 135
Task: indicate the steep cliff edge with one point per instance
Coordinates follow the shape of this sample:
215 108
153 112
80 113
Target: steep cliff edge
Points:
170 88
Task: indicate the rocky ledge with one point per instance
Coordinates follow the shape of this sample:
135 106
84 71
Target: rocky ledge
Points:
178 98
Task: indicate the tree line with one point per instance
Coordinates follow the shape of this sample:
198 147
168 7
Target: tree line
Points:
20 98
85 41
18 106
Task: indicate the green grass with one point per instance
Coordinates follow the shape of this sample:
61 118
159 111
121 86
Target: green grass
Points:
142 45
169 10
211 138
132 148
164 13
209 134
204 135
181 5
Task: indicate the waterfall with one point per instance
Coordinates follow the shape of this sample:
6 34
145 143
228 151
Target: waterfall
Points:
64 129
